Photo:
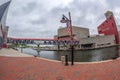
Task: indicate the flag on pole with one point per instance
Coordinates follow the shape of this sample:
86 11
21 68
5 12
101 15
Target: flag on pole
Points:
68 27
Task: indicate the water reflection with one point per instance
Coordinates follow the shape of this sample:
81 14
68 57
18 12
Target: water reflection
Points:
79 56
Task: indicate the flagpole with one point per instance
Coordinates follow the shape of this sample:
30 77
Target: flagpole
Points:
71 35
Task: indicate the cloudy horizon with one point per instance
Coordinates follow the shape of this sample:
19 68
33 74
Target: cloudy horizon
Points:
41 19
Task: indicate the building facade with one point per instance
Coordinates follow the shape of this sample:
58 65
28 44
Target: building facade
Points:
109 27
97 41
3 28
78 32
119 31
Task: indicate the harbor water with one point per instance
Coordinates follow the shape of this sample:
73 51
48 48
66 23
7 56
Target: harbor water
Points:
79 56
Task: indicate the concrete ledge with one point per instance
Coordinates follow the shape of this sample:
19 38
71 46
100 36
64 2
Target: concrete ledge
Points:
95 62
12 53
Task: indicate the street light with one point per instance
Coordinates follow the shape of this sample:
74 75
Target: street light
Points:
65 20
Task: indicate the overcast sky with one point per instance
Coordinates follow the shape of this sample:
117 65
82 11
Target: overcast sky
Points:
41 18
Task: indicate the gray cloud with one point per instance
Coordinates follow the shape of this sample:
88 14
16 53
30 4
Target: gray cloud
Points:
38 21
42 18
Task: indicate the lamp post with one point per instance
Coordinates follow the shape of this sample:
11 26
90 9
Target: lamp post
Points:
65 20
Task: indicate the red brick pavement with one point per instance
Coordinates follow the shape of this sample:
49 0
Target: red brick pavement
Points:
31 68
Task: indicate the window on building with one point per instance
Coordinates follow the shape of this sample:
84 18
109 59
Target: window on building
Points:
112 25
90 45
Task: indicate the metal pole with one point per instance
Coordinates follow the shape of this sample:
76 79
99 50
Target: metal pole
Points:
21 50
72 47
38 53
72 55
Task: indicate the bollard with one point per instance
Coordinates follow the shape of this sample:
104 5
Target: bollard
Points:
66 60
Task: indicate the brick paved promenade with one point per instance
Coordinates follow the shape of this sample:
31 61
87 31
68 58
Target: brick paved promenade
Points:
31 68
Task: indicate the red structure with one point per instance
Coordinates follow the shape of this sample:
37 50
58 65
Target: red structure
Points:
42 39
108 27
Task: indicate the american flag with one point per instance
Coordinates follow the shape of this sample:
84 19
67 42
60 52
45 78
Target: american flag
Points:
68 27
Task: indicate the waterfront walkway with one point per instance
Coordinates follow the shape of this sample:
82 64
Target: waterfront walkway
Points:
17 66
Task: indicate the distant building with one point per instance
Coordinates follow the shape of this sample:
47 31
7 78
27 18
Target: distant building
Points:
97 41
108 14
86 40
108 35
78 32
109 27
118 26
